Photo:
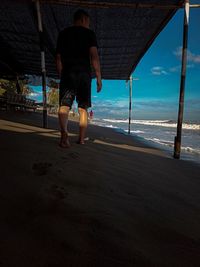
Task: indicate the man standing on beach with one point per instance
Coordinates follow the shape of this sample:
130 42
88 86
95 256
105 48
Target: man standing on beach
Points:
76 51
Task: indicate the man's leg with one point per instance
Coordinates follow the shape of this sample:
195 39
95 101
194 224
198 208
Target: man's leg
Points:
83 98
63 120
83 121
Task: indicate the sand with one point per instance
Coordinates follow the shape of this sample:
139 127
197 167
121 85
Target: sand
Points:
112 202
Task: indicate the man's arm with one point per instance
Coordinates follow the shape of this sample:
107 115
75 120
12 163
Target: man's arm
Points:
96 65
59 65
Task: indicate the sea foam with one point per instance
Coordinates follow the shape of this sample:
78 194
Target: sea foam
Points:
161 123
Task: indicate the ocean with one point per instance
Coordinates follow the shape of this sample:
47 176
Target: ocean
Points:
160 133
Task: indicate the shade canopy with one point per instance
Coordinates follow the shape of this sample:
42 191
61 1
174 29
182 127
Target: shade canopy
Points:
125 30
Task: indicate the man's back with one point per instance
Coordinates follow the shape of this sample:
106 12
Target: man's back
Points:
74 47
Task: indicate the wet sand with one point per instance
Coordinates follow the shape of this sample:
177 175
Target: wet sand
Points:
112 202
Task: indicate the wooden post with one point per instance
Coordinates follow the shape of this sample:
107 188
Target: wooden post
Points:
130 103
177 141
195 6
109 4
43 67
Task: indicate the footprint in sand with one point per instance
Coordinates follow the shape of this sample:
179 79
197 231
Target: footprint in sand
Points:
58 192
74 155
41 168
71 155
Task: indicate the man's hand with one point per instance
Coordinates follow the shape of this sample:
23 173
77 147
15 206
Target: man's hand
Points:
99 85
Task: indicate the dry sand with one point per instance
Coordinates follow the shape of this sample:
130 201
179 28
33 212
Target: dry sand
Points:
112 202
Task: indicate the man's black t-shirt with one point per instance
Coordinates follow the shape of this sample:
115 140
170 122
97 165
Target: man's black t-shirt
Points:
73 45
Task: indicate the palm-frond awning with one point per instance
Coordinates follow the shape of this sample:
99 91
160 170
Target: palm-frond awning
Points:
125 30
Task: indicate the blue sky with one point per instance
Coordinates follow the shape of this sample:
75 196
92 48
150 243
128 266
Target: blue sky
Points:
156 92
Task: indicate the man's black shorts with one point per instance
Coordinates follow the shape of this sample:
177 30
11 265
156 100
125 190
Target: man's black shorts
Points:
75 85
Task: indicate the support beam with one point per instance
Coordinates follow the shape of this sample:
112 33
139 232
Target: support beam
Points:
43 67
177 143
122 4
130 103
195 6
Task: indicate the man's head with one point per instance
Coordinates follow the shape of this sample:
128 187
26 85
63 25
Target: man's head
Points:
82 18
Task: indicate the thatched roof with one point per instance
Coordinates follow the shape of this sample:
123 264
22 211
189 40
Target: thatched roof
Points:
125 30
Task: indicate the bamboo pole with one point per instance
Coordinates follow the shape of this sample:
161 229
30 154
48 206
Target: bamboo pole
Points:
130 103
177 143
43 65
100 4
195 6
92 4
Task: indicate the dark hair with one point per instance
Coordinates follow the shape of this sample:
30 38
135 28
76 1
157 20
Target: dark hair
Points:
80 14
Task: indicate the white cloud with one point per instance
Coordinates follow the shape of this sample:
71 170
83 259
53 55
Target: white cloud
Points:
178 52
157 70
35 94
145 108
190 56
193 58
175 69
178 68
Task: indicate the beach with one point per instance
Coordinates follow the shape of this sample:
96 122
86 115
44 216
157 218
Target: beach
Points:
114 201
160 134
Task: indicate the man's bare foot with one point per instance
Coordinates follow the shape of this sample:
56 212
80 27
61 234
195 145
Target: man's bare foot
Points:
64 140
80 142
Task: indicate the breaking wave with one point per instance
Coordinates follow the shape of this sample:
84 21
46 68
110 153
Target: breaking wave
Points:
161 123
